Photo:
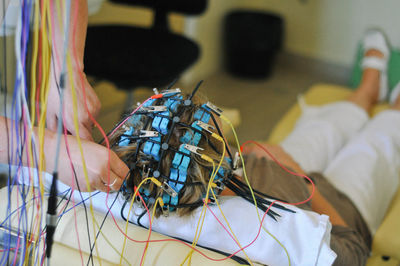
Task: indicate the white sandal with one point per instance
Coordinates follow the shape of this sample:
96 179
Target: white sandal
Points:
375 39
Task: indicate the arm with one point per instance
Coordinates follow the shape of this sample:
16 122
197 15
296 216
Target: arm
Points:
96 158
319 203
87 99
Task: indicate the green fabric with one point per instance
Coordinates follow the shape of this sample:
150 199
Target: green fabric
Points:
393 73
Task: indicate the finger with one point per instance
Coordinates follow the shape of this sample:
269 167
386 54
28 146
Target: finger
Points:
115 184
51 123
102 187
118 166
111 182
85 133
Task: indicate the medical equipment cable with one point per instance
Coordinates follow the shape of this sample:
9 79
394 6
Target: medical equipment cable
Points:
20 208
51 207
44 87
19 72
104 219
158 200
251 190
16 124
198 251
231 234
287 170
219 138
203 212
4 90
74 101
79 189
99 231
75 180
120 125
130 208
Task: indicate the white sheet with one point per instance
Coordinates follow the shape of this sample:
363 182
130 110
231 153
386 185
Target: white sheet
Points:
305 234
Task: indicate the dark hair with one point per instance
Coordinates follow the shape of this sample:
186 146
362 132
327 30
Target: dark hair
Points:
199 170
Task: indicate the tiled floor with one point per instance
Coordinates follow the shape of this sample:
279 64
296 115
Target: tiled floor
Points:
261 102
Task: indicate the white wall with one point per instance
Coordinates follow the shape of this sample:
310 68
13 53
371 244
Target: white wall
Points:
328 30
206 30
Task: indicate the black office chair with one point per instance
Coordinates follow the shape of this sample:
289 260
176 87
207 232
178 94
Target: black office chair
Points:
132 57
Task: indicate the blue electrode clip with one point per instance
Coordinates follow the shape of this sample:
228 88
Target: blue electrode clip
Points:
161 124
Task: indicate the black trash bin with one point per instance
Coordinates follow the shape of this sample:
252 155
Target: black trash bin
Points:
251 41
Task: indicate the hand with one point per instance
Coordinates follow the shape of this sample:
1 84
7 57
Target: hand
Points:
85 124
277 152
96 159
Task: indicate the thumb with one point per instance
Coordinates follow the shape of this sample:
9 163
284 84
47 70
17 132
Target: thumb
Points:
118 166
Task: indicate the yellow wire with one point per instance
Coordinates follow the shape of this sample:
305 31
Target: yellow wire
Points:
43 97
33 90
76 124
159 199
222 213
251 190
130 209
113 247
204 209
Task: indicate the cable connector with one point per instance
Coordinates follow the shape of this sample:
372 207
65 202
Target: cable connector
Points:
165 210
192 149
148 134
155 181
217 185
164 186
169 190
214 108
218 137
195 150
236 161
155 108
161 202
206 158
166 93
205 126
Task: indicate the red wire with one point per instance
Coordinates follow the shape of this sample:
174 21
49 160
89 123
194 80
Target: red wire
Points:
109 168
58 66
72 185
284 168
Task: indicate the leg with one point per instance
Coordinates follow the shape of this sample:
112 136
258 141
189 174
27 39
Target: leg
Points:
367 168
322 131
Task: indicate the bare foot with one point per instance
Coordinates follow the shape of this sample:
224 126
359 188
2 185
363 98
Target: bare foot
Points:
367 94
396 104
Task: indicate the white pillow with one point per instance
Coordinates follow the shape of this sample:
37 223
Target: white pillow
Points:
305 234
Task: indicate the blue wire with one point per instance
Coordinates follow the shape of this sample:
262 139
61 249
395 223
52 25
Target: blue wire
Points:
9 217
82 201
24 37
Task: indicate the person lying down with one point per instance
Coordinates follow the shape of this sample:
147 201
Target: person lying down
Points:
179 161
178 156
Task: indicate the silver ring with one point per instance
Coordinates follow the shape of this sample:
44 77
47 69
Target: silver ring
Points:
112 184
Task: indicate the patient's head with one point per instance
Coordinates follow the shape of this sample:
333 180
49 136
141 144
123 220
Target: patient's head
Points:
164 156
